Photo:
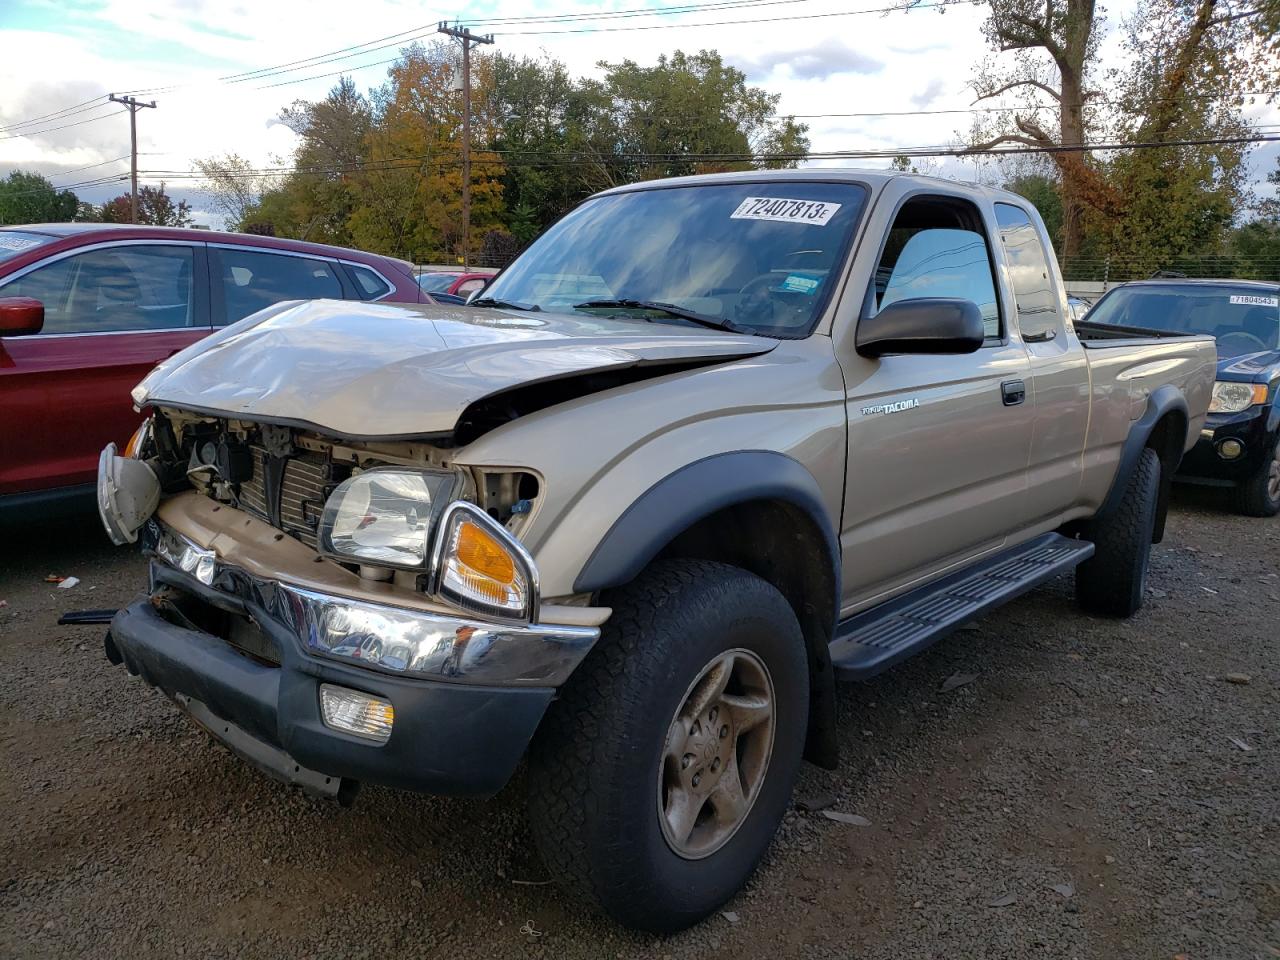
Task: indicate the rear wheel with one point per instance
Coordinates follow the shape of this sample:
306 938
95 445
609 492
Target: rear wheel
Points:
1259 496
1113 580
661 773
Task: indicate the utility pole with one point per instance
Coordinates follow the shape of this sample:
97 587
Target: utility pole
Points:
134 105
469 40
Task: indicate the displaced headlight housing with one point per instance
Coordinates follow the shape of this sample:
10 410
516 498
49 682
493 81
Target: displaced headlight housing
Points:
1229 397
384 516
480 567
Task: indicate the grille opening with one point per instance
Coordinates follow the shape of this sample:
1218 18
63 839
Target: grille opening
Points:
190 612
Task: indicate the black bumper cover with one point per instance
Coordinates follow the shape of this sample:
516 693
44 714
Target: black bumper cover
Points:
1203 464
453 739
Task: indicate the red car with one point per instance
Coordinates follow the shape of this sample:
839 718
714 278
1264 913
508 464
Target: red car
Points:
451 283
86 310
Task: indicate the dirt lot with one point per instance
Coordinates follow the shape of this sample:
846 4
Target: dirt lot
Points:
1099 789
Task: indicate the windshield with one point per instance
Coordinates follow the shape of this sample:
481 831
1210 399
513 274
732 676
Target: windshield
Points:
757 257
436 282
1245 318
14 242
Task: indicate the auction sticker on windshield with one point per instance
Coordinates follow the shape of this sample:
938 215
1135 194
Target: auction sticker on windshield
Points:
785 211
1253 301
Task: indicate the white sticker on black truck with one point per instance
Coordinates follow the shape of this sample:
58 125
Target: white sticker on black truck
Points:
817 212
1254 301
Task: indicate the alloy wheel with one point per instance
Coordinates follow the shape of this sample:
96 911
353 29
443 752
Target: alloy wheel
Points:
716 754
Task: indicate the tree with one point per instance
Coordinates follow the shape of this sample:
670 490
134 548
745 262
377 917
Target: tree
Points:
31 198
155 209
1187 60
689 113
233 187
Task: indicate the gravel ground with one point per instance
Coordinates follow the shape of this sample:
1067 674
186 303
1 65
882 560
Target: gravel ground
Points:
1098 789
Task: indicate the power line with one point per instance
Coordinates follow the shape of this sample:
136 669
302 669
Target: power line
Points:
421 32
56 114
65 126
731 23
568 158
91 166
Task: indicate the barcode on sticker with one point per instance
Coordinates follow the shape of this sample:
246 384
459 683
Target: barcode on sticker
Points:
1255 301
785 211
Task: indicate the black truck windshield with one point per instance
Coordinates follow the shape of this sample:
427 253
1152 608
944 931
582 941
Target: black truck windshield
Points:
755 257
1244 318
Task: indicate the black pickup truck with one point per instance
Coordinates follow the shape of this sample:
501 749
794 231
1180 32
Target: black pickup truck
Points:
1238 443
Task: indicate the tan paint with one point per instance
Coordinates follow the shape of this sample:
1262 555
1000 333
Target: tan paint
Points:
951 474
255 546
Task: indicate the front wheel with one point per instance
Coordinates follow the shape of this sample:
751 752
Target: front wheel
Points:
1259 495
661 773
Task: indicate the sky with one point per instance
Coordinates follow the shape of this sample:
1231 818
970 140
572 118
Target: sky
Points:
62 53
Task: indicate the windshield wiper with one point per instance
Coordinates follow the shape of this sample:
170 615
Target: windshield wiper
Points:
670 309
504 304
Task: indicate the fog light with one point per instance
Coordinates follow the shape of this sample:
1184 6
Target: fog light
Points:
1230 449
356 713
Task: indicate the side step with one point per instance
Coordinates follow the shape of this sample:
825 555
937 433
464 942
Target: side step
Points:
871 642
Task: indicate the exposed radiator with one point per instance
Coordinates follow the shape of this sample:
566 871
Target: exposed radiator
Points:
305 486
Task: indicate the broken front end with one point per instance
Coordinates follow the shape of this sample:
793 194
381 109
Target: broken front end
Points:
339 611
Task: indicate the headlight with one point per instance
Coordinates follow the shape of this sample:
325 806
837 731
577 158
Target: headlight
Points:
1236 397
384 516
480 567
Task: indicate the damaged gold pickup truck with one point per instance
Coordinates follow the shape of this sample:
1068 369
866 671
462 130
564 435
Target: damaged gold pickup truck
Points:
708 446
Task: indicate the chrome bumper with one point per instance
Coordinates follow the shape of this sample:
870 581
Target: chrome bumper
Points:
385 638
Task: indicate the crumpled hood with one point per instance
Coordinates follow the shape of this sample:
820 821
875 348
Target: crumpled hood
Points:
373 370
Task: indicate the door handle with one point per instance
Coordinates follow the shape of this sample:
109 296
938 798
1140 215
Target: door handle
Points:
1013 392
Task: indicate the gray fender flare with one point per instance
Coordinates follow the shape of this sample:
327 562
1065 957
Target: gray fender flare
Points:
1165 400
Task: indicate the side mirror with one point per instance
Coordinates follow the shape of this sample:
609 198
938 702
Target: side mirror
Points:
922 325
20 316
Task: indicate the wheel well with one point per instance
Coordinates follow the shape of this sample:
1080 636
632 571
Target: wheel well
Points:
780 543
1168 439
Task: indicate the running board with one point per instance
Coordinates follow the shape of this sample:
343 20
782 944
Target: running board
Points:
871 642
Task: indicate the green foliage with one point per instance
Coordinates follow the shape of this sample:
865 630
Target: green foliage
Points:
155 209
383 172
31 198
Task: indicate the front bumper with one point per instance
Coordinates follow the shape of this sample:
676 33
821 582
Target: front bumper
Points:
462 731
1204 463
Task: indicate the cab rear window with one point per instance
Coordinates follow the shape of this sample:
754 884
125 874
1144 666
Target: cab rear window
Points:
14 242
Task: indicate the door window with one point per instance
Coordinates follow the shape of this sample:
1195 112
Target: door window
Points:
113 289
469 287
1029 272
252 280
938 248
370 285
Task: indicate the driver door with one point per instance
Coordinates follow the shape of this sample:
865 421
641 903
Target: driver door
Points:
112 312
938 445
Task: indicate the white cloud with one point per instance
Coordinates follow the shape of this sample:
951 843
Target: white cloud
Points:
819 65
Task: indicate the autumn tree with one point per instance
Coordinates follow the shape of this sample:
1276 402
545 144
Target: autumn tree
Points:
155 209
234 187
410 190
1187 61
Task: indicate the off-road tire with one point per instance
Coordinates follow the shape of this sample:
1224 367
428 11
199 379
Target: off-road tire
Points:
1256 496
1113 580
595 763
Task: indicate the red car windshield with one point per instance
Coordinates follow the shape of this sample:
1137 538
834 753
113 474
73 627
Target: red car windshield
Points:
14 242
